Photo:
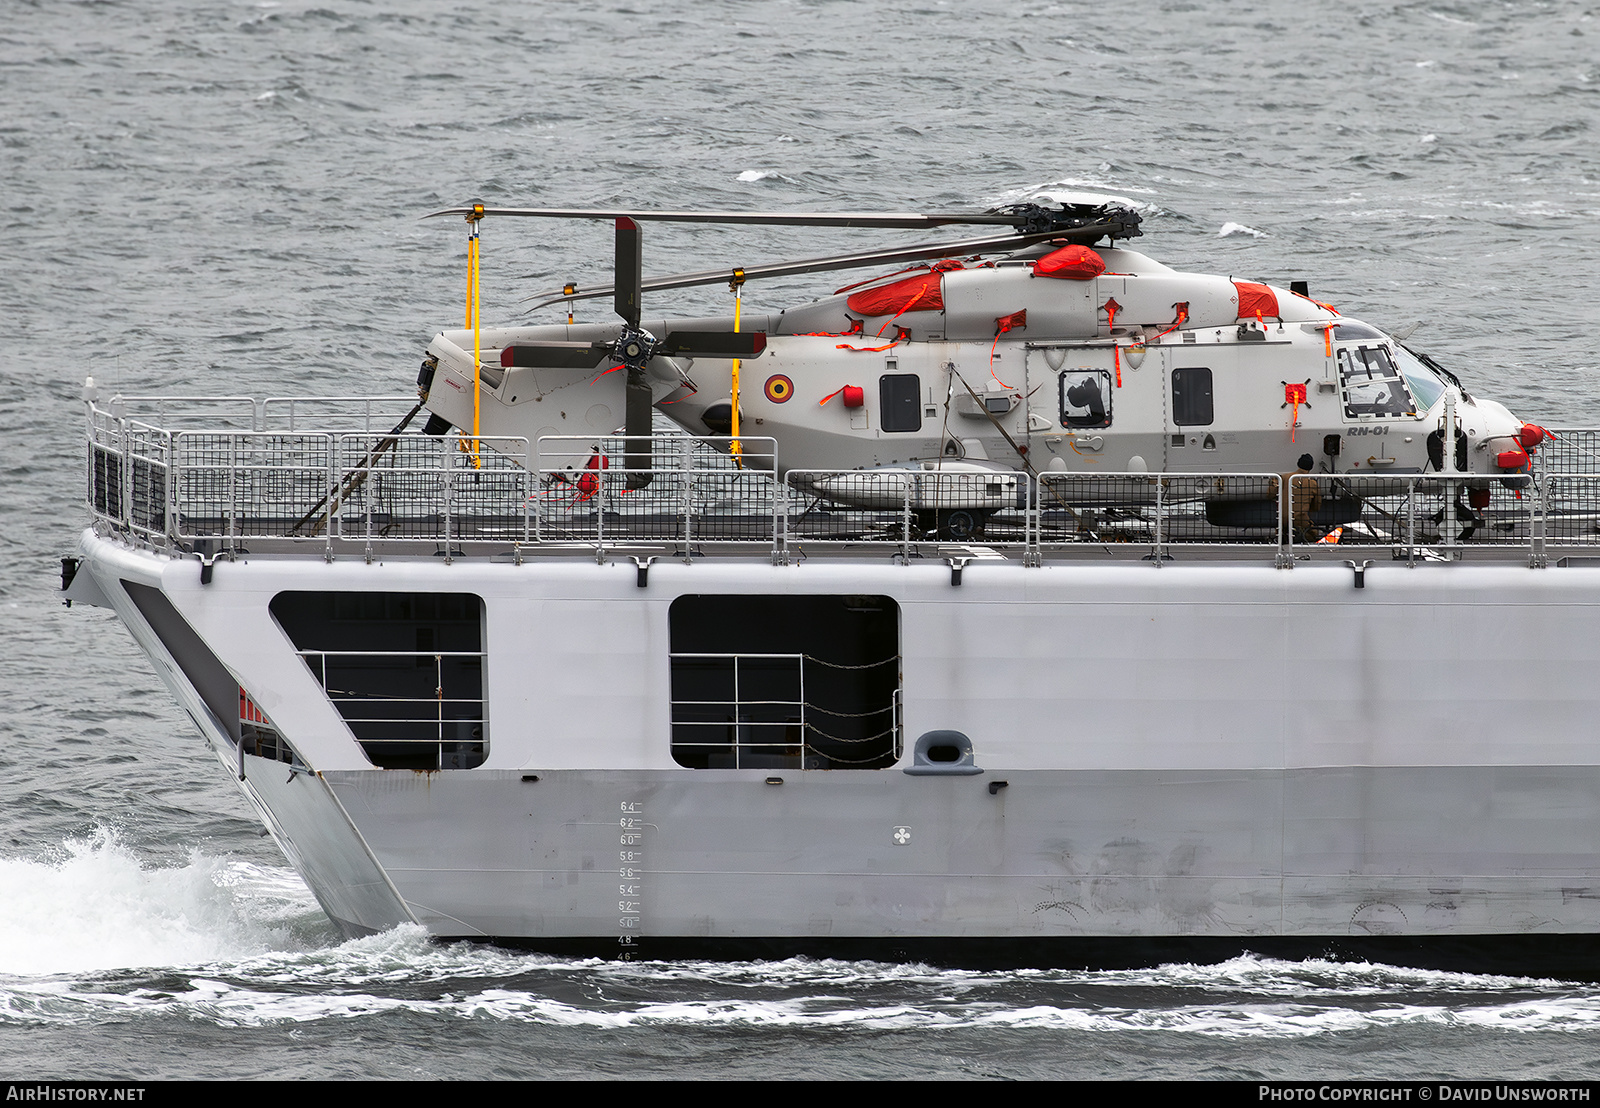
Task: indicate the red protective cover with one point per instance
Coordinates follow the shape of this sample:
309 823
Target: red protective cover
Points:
921 293
1075 263
1011 322
1256 300
854 396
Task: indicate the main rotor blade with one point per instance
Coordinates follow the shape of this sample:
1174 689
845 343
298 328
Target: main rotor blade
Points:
555 355
992 244
1029 217
638 425
629 271
902 220
714 344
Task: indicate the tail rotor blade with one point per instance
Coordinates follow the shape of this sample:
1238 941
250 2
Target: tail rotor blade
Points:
638 425
629 275
714 344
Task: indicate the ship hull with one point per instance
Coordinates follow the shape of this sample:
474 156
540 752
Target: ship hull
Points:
1218 752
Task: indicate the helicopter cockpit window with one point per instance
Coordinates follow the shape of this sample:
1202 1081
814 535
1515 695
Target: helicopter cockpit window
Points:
1373 387
1426 385
1086 398
1354 329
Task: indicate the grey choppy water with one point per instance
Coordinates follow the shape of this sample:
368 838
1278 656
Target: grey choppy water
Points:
212 196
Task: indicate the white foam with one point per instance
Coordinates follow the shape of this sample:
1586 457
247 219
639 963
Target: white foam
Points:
98 907
1076 190
231 1004
1239 229
756 175
1243 998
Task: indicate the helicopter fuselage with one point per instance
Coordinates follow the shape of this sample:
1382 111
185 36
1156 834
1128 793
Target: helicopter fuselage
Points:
1139 369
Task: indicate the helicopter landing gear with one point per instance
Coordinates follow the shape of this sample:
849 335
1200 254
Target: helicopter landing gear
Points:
1464 513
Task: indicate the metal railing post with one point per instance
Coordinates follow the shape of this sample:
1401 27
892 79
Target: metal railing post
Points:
780 490
438 676
1284 559
1537 557
1411 522
447 494
233 494
1160 521
125 478
905 518
1032 521
171 497
686 475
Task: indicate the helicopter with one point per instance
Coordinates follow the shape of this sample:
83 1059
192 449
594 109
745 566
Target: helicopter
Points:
1045 346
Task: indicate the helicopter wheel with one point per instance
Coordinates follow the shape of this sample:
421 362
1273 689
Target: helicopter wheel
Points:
961 524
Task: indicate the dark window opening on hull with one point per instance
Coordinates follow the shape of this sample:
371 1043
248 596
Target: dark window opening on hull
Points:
248 727
785 682
260 736
404 670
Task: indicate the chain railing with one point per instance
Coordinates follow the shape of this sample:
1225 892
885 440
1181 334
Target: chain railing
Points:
218 490
765 716
442 728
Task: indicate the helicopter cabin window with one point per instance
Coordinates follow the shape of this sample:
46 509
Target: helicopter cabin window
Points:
899 401
1373 387
785 682
1191 397
1086 398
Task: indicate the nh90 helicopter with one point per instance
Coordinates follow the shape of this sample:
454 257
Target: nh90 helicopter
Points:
1047 347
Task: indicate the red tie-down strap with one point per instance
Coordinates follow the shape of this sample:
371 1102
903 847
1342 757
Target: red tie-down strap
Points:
1180 316
855 329
1012 322
901 335
1111 308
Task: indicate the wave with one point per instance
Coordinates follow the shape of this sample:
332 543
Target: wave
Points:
96 906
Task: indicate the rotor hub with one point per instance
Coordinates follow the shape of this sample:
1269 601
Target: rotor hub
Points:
635 346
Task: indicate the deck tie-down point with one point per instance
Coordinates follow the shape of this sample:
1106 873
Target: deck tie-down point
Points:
1360 571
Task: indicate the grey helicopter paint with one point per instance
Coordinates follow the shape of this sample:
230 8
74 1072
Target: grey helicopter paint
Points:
1172 374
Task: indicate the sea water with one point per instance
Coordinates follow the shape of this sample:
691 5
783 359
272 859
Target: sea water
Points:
201 196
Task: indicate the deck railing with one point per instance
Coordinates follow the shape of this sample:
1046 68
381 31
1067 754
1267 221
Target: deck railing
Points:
442 730
351 487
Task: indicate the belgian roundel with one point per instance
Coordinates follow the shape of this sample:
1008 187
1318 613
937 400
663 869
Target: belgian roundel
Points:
779 388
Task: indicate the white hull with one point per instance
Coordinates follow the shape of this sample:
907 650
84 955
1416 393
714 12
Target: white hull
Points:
1208 749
